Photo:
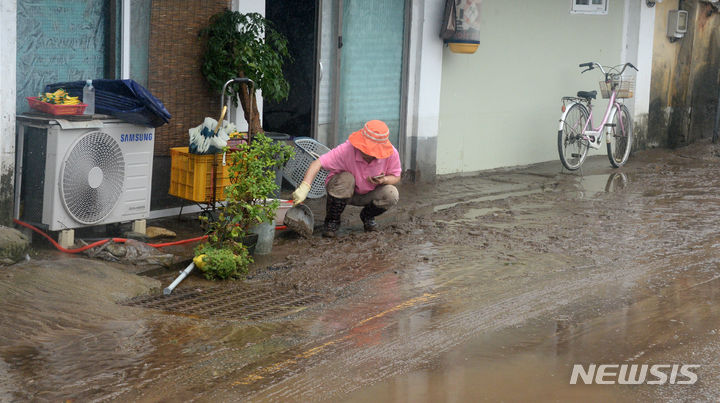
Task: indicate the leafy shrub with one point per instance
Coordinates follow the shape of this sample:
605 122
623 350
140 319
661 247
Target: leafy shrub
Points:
220 264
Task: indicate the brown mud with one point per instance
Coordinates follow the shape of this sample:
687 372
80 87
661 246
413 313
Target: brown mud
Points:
477 287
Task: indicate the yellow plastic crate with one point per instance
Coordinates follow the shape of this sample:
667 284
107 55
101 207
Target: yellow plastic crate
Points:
191 175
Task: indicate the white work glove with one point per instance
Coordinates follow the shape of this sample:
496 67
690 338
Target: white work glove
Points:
300 193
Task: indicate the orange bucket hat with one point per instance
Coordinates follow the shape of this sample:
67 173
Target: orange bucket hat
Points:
373 139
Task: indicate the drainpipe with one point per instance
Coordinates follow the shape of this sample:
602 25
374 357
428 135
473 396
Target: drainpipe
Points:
169 289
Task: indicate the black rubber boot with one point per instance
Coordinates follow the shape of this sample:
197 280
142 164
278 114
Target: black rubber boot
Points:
368 214
333 210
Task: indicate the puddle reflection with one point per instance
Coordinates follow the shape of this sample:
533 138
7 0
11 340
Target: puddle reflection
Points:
533 362
616 182
592 185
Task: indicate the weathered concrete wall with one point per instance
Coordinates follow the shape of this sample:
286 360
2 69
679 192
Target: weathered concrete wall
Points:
705 72
664 76
8 39
684 88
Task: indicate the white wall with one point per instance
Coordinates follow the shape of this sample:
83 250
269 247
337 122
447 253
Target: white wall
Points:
638 49
500 106
326 82
425 54
8 45
429 71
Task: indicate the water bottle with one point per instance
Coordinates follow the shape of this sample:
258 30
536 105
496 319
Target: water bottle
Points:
89 97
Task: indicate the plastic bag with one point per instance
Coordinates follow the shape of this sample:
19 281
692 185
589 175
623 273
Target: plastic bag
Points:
204 139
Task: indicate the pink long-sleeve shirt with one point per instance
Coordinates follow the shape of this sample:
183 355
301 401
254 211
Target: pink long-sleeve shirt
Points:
346 158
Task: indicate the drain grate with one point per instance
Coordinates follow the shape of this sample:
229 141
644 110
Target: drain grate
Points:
227 302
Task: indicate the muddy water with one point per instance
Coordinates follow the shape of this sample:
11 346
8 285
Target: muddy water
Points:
487 287
678 323
602 268
62 331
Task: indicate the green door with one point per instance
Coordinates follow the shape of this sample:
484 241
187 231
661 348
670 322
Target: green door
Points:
371 65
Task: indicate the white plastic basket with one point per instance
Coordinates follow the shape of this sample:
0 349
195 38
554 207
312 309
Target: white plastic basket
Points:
307 150
625 87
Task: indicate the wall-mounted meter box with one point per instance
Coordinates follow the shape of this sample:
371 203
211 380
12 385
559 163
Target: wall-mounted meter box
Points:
677 24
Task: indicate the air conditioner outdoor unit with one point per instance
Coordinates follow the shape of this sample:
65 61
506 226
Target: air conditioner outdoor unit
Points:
89 175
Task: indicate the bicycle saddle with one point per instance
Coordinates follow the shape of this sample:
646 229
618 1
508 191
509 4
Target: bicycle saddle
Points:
587 94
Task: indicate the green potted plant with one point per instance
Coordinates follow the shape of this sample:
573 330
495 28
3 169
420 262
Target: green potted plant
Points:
252 181
245 45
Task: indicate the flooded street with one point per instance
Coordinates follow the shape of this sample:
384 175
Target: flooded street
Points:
489 287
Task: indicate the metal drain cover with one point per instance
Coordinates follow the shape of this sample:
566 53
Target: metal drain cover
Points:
227 302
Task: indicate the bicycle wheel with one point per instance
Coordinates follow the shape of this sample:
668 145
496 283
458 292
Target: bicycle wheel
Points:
620 137
571 146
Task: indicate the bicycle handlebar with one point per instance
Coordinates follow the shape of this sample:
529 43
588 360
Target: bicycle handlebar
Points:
626 66
592 65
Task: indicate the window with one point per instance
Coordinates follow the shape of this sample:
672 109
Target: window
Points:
130 40
589 7
58 41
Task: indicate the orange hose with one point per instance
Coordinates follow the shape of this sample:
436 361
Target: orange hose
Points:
161 245
103 241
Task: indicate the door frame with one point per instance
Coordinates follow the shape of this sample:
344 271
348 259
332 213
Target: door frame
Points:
334 136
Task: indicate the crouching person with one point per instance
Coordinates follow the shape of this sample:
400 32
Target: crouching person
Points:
363 172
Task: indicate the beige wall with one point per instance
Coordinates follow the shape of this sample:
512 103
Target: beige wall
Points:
500 106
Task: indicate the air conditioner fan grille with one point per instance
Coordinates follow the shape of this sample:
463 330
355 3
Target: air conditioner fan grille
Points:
92 177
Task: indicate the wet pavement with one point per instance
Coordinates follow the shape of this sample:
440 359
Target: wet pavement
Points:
487 287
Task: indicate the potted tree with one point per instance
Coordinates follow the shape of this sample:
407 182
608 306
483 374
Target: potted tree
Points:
245 45
248 203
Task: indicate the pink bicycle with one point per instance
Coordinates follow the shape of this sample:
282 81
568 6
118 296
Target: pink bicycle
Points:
576 133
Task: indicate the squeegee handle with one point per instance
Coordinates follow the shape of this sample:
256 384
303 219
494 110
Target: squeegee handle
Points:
222 116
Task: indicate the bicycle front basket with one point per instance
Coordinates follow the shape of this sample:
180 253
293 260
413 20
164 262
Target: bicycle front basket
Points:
625 87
